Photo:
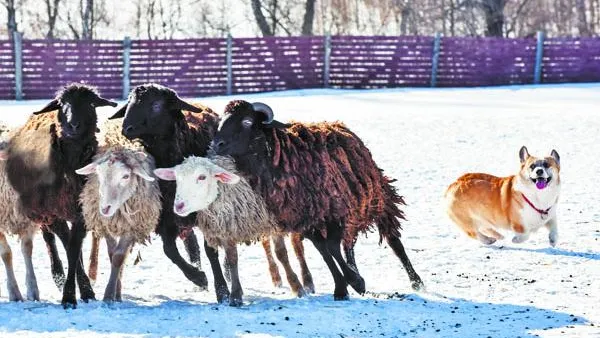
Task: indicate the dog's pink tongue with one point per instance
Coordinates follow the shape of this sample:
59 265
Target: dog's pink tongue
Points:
540 184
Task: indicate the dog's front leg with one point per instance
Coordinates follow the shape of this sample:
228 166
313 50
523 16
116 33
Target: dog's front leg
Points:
552 226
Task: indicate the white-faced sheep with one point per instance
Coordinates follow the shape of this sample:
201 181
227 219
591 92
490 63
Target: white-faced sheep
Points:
42 158
120 199
228 210
317 179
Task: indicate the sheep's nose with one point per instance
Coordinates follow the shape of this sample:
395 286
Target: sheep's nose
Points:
217 145
128 130
74 125
179 206
539 172
106 210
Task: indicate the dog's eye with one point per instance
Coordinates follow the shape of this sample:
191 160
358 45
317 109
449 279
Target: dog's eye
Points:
546 165
532 166
201 178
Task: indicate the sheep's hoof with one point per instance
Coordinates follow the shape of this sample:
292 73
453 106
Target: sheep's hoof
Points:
309 286
417 285
235 302
201 281
358 284
300 292
222 295
88 295
69 301
341 294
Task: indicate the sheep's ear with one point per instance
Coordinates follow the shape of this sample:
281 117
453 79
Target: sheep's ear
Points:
142 173
102 102
182 105
51 106
120 113
140 155
227 177
523 154
277 125
3 155
88 169
166 174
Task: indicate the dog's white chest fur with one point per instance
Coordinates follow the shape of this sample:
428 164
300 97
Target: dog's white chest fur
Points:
542 200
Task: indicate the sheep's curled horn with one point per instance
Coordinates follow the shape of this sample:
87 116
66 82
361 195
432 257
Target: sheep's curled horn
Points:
263 108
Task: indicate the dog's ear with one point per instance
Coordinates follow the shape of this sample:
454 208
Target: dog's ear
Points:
555 155
523 154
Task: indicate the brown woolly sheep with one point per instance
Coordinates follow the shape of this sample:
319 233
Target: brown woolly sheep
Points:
42 157
15 223
317 179
120 199
228 211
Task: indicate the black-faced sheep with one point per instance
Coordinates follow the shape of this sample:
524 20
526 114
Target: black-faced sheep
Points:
121 199
228 211
170 129
317 179
42 158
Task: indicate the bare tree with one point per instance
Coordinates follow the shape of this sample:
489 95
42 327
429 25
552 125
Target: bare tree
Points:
52 12
11 22
261 20
309 17
582 24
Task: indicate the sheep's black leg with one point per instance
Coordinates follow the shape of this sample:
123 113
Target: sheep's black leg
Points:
231 257
349 253
341 290
396 245
221 288
76 237
168 232
61 229
56 267
193 249
334 239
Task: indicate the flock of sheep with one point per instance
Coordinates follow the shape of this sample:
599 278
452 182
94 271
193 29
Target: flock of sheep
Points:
161 164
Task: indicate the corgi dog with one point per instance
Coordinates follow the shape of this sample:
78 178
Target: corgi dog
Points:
481 204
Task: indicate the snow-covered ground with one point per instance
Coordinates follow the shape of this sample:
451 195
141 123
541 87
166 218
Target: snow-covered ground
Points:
425 139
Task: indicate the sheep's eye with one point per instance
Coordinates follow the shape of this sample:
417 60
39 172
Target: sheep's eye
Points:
126 176
247 123
201 178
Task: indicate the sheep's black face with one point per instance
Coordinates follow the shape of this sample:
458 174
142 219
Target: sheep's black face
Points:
152 111
76 105
240 126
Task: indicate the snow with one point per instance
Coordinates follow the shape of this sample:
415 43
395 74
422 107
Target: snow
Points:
425 138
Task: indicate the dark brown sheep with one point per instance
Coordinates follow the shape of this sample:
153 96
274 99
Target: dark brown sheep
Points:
42 157
319 180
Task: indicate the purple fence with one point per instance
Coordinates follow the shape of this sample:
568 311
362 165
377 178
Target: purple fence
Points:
201 67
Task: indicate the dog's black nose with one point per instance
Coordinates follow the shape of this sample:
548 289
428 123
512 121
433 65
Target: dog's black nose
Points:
539 172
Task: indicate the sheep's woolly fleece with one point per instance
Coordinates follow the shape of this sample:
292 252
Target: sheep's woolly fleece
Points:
238 214
13 221
139 216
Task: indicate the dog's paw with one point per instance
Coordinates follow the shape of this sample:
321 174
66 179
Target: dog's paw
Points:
553 238
520 238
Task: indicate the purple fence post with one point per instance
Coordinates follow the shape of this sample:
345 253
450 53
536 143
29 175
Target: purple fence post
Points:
326 61
435 57
539 55
126 66
229 64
